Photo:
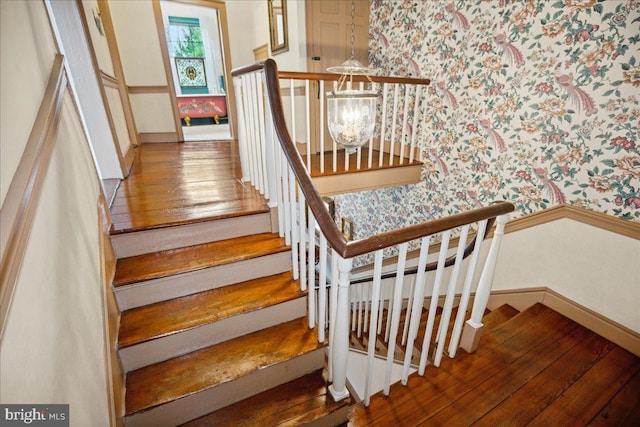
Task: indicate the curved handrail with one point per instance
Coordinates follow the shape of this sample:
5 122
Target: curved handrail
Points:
350 249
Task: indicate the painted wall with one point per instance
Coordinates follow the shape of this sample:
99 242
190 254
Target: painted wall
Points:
18 107
142 63
52 350
82 76
593 267
249 28
534 102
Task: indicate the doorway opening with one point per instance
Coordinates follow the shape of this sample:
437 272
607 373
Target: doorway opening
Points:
196 54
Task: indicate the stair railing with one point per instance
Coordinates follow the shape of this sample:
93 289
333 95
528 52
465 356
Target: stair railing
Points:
396 137
322 258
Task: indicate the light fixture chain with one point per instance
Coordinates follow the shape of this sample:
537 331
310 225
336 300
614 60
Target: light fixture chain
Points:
353 27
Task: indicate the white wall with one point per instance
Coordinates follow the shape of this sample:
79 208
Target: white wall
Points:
22 80
84 81
139 46
52 349
593 267
249 28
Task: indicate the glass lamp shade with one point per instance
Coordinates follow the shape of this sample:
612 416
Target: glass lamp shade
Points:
351 116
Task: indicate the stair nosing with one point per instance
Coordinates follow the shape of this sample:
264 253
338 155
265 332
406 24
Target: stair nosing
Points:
311 345
177 223
119 282
287 277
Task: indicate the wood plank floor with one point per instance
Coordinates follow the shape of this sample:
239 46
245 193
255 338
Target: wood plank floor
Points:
538 369
182 183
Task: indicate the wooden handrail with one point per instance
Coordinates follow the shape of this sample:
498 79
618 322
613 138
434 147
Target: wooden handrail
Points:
16 215
350 249
297 75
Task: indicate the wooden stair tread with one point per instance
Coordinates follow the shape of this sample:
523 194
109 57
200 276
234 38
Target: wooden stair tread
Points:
165 318
498 316
176 184
181 376
302 400
353 167
174 261
159 218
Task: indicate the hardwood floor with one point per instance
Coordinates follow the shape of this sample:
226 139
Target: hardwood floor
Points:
181 183
539 368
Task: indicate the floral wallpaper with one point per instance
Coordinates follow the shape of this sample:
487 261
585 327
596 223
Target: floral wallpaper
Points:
532 101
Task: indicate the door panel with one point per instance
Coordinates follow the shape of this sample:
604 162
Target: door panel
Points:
328 25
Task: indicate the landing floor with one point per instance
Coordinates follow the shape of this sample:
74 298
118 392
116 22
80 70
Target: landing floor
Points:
183 183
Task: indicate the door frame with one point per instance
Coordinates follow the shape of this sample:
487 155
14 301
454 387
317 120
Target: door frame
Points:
219 5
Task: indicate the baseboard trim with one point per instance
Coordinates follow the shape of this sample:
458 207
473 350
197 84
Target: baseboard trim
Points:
158 137
603 326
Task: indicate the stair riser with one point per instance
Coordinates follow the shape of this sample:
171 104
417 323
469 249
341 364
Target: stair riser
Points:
147 241
165 288
199 404
160 349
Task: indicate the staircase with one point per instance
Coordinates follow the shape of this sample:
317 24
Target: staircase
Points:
213 327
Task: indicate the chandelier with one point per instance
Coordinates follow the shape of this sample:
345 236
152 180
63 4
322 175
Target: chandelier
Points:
351 113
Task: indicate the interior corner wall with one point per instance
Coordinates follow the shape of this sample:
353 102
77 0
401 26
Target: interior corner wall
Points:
596 268
249 28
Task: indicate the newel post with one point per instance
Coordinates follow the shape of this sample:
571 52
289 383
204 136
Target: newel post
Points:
473 328
340 345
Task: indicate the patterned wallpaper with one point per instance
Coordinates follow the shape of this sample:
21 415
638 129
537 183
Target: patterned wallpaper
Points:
532 101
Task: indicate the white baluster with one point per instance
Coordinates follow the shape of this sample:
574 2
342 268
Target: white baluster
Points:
261 137
333 304
405 329
435 294
418 301
466 290
473 328
304 252
322 288
360 292
385 87
308 116
340 350
403 143
448 302
394 123
311 278
415 123
373 331
242 124
321 125
295 241
286 199
395 322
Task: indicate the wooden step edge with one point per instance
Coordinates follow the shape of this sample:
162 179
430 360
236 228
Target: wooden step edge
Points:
498 316
172 262
166 318
171 380
305 400
176 223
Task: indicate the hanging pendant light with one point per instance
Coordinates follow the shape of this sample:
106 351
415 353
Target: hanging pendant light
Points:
351 113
